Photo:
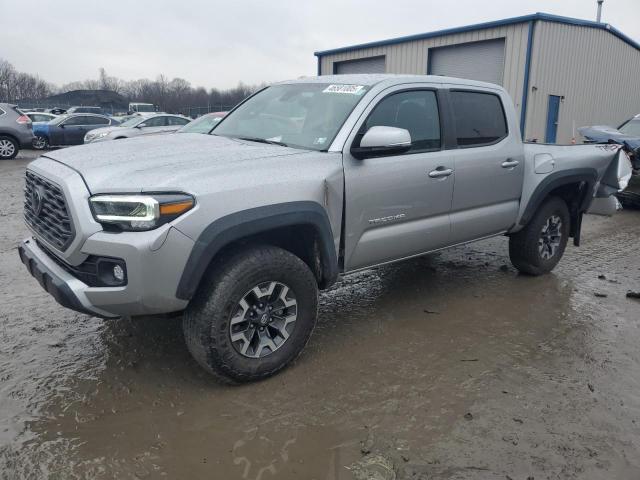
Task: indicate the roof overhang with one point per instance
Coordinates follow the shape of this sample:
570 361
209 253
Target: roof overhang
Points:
481 26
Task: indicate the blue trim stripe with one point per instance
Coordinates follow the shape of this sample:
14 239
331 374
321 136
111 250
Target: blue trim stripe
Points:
525 83
481 26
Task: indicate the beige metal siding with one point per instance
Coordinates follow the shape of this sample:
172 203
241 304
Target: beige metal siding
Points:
411 57
595 71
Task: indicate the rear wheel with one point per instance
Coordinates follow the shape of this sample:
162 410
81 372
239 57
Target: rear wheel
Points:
253 315
8 148
538 247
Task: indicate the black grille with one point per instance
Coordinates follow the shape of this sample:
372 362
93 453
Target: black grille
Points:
50 219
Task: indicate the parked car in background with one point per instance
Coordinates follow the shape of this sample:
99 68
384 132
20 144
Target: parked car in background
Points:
15 131
138 125
203 124
627 135
40 116
68 129
57 110
138 107
97 110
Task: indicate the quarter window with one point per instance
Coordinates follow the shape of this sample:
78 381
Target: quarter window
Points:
415 111
478 117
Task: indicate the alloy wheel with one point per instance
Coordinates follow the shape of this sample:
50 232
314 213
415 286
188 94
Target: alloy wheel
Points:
263 320
7 148
550 237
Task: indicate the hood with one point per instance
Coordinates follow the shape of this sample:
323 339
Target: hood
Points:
605 134
163 162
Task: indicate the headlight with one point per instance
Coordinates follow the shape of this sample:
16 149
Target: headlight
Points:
139 212
94 136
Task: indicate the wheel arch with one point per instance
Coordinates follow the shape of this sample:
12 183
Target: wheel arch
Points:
302 228
574 186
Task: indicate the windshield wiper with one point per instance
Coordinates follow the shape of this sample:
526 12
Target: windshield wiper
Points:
263 140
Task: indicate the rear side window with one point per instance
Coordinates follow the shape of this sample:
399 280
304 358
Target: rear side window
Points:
81 120
90 120
479 118
415 111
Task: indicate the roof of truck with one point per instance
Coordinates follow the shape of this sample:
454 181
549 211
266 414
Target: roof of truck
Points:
370 79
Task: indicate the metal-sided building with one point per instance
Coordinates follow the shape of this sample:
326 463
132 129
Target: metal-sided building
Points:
561 72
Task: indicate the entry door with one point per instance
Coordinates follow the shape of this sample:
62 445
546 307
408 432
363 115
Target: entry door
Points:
394 208
552 119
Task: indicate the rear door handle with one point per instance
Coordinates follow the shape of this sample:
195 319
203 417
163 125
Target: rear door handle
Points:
440 172
510 163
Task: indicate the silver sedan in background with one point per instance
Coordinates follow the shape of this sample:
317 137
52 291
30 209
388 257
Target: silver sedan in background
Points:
138 125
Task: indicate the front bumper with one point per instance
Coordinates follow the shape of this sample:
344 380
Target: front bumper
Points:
67 290
154 262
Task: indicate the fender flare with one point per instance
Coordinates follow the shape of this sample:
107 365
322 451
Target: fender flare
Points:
245 223
578 175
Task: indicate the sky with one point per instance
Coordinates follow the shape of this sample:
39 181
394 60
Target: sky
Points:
213 43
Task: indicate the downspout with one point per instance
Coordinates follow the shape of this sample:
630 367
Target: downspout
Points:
527 69
318 70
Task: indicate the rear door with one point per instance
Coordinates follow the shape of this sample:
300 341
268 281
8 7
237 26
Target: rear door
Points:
489 164
393 207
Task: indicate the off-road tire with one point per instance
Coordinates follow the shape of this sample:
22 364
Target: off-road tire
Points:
524 249
206 319
8 140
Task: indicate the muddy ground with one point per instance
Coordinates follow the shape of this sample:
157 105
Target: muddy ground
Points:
451 366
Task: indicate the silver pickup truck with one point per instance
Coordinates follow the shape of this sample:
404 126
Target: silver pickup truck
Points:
302 182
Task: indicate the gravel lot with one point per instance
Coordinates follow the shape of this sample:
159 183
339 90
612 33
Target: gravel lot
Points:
451 366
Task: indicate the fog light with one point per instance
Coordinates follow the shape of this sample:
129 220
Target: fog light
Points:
118 273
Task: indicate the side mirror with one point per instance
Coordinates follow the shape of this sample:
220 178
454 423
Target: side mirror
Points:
380 141
61 125
141 125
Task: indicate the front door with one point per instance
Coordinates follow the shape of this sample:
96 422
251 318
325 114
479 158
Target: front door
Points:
553 112
394 207
489 166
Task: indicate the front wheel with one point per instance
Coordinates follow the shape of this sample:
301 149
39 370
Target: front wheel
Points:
40 143
252 315
538 247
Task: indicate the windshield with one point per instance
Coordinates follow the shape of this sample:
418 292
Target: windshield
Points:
299 115
631 128
203 124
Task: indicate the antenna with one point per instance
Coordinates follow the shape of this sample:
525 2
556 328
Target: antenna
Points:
599 16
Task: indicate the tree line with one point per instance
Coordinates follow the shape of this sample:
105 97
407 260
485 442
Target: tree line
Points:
170 95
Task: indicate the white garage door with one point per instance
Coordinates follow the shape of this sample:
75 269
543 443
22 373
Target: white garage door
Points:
363 65
482 61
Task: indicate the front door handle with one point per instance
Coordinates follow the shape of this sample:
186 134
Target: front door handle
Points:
440 172
510 163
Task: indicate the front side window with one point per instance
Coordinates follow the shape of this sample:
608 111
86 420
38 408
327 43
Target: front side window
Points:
415 111
478 117
156 122
177 121
203 124
299 115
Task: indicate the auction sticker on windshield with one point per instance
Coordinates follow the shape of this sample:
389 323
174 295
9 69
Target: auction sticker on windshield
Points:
350 89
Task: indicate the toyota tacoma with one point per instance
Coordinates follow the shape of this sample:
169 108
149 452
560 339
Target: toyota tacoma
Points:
302 182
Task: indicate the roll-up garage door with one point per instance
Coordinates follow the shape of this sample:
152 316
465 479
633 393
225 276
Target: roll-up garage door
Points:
482 61
363 65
